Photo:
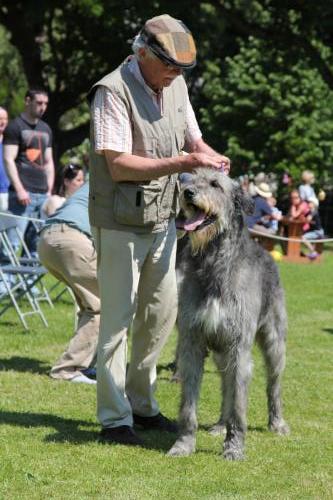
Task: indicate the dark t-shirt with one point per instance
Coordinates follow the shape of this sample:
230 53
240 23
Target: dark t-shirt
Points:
261 208
32 140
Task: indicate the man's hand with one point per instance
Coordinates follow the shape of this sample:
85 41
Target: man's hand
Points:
23 197
195 160
200 146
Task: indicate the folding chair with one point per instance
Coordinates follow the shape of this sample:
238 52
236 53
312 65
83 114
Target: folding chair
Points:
25 277
47 294
7 223
18 277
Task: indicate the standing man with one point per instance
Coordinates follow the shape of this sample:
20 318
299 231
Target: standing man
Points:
4 183
29 162
141 121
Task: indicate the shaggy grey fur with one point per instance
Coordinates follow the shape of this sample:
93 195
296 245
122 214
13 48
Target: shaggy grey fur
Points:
230 295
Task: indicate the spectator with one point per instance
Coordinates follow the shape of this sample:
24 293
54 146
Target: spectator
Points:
141 119
315 231
4 182
29 162
263 212
299 209
273 223
66 249
71 179
306 190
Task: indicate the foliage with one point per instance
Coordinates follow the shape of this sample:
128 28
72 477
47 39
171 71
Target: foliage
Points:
267 114
49 430
13 81
276 112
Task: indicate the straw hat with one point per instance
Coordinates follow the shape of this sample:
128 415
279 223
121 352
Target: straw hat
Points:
263 190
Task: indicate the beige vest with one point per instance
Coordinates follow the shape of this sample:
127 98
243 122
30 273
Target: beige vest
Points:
145 206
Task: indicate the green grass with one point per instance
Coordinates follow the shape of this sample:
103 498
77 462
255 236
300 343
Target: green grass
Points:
48 429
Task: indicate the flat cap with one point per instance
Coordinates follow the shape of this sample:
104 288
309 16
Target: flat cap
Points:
170 40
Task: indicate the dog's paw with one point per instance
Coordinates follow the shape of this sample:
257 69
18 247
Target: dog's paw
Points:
231 453
218 429
183 447
279 427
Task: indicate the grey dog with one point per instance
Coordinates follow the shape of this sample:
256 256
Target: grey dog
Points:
229 296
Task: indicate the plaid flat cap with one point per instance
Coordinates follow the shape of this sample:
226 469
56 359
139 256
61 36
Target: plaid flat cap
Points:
170 40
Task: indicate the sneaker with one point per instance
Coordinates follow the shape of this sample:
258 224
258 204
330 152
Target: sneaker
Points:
158 423
82 379
123 434
89 372
312 255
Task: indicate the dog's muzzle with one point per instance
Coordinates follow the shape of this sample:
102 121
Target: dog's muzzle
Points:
198 218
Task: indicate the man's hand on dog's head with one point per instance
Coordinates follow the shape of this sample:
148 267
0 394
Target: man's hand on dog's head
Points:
196 160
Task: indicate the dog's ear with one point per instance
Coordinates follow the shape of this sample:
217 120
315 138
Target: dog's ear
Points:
243 201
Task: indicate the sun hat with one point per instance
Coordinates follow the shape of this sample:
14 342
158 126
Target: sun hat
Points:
170 40
263 190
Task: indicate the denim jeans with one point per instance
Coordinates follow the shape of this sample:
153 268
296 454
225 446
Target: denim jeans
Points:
32 210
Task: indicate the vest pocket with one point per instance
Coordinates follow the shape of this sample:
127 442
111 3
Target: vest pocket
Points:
136 204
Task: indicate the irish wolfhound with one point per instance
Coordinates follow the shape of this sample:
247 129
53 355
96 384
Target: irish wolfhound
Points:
230 295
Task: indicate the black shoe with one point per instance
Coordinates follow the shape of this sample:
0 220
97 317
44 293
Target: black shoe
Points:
124 434
89 372
158 423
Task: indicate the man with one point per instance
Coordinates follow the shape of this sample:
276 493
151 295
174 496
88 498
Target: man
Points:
141 121
263 213
29 162
4 183
66 249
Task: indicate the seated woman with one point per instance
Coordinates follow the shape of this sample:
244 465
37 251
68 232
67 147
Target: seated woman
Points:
70 179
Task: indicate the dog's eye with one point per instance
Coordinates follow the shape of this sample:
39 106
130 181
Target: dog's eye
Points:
214 184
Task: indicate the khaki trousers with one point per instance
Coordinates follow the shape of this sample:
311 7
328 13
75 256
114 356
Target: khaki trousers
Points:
70 256
137 284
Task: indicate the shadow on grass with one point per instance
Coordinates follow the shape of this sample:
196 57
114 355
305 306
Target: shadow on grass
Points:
251 428
68 430
19 364
19 330
328 330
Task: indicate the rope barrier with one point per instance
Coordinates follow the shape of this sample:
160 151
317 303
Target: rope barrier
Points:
252 231
293 240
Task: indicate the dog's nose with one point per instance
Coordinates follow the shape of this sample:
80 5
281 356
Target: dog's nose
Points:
188 194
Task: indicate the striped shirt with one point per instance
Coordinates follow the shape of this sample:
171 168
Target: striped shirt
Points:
112 125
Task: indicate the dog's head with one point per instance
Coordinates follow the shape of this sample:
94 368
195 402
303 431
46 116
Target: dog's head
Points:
212 203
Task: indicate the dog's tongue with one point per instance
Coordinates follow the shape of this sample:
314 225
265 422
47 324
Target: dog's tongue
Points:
192 224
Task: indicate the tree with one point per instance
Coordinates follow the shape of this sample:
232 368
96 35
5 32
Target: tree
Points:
66 45
268 113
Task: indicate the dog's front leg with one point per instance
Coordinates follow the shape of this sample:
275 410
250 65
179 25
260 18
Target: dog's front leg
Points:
191 362
236 379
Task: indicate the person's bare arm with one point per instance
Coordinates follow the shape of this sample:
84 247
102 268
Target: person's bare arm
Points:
200 146
128 167
49 169
9 154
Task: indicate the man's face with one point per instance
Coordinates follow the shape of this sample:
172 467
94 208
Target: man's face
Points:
36 106
3 120
157 73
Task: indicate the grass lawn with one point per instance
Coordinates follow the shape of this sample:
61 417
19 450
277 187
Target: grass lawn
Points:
48 429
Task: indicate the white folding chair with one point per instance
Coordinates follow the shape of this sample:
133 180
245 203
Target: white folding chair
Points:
7 223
